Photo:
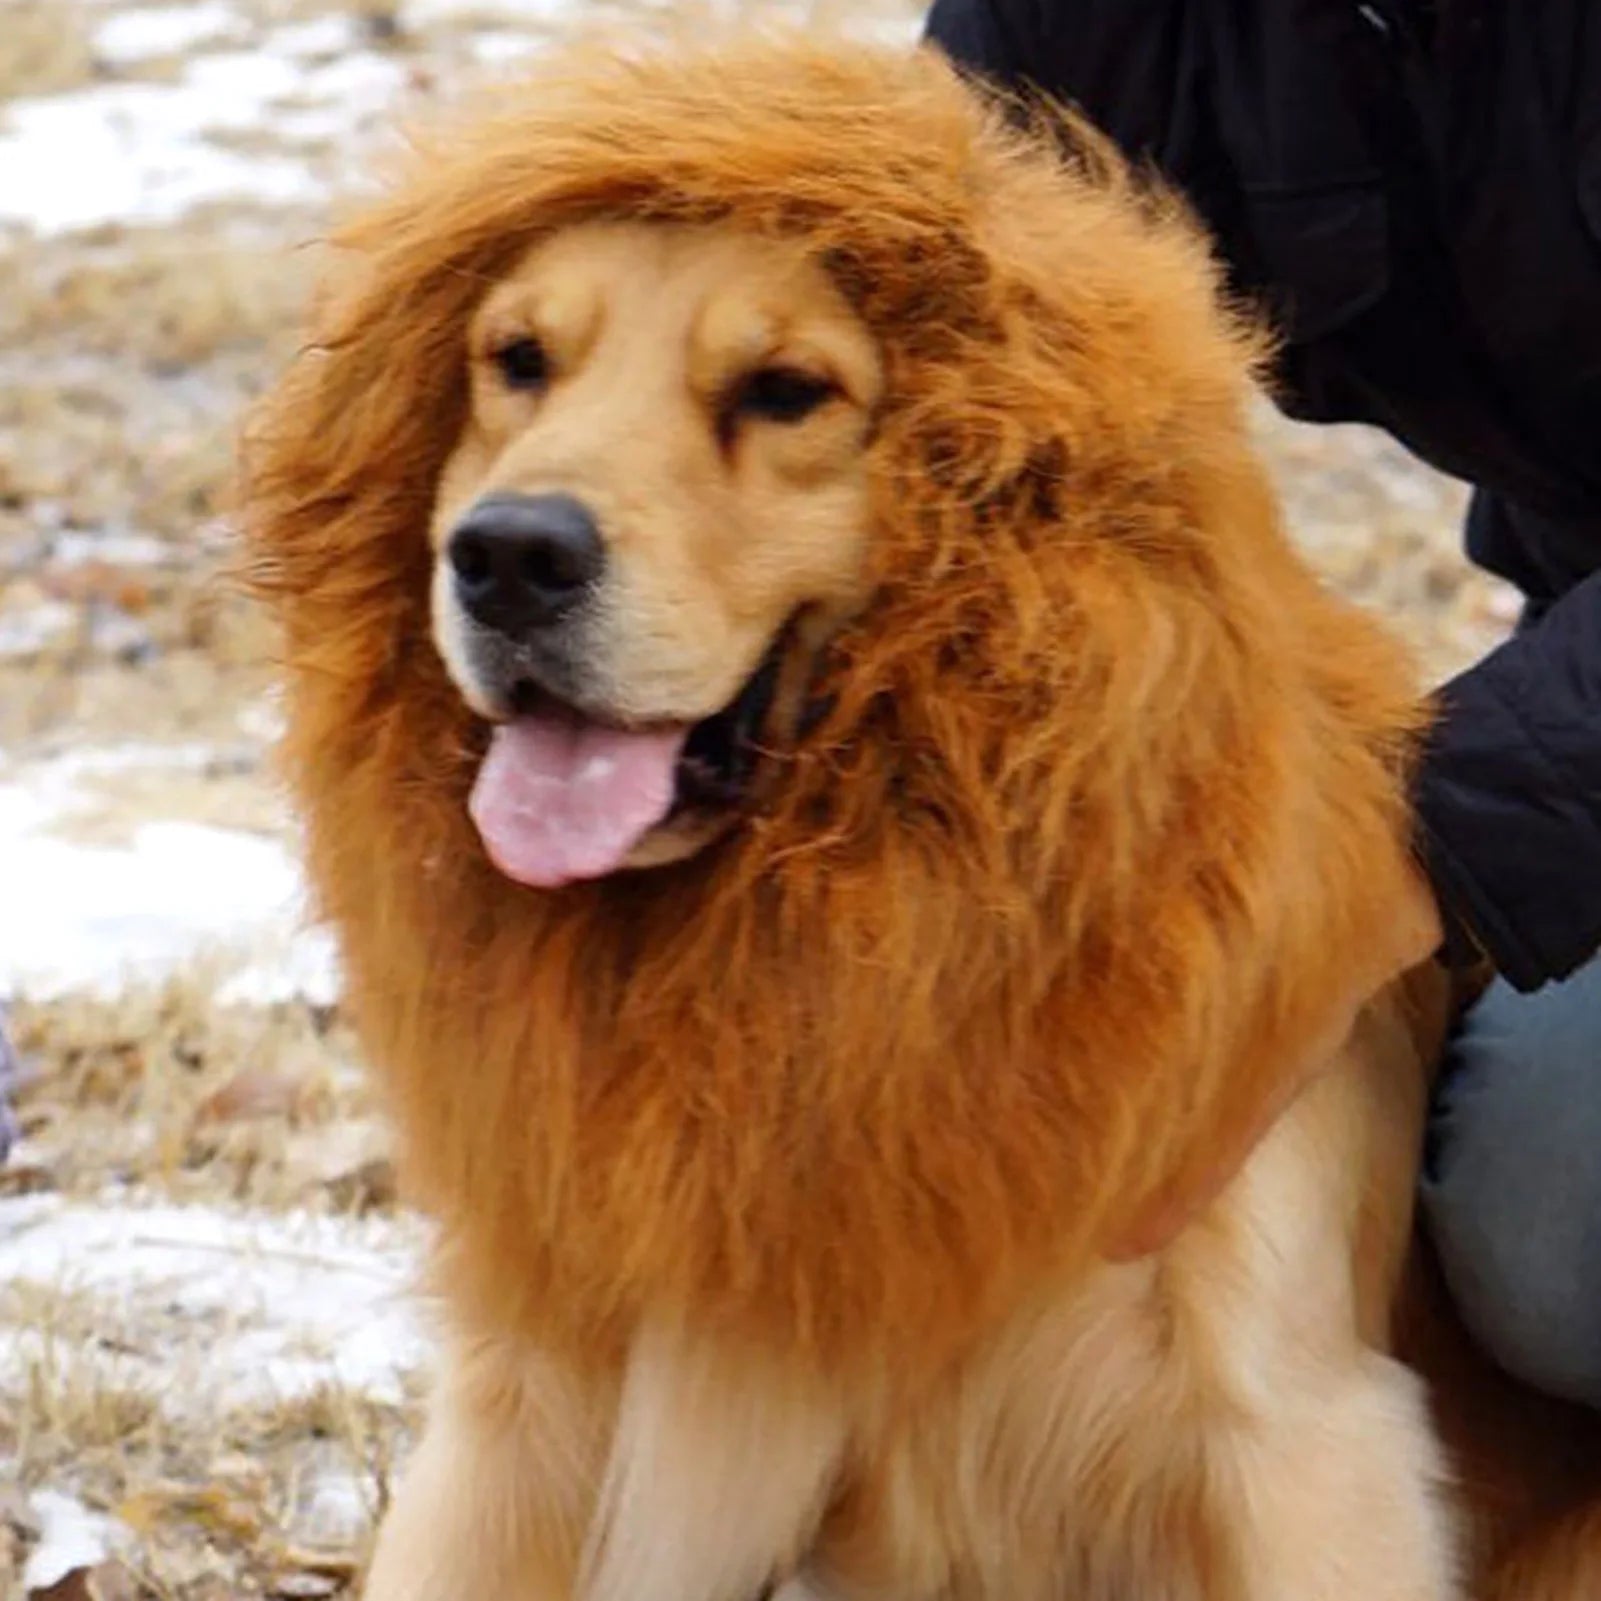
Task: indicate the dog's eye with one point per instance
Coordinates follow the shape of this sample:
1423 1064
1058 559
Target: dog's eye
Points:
523 364
780 394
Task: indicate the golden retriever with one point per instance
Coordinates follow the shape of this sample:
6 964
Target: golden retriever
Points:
844 812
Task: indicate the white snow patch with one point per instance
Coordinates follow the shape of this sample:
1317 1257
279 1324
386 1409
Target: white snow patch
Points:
96 917
126 153
902 31
335 1511
113 914
321 36
70 1536
148 33
115 550
262 720
420 13
502 49
144 152
302 965
139 152
26 633
236 1308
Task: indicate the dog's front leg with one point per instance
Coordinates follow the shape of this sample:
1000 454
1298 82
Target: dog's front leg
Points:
721 1462
1342 1497
497 1498
1322 1465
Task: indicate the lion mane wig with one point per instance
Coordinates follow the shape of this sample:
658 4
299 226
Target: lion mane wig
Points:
1101 806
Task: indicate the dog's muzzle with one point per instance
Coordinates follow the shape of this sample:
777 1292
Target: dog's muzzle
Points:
521 564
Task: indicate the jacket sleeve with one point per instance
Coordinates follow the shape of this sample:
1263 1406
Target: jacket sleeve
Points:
972 34
1509 798
1132 67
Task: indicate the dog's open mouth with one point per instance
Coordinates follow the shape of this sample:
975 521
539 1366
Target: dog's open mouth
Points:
562 796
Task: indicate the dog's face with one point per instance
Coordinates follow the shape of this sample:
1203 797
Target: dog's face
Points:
658 502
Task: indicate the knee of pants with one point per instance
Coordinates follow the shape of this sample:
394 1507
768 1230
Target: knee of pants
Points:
1512 1196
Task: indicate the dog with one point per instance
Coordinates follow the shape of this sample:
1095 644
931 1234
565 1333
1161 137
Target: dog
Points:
850 828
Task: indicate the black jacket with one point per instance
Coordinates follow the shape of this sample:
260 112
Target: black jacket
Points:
1414 186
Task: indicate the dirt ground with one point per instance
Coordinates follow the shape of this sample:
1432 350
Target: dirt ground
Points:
189 1097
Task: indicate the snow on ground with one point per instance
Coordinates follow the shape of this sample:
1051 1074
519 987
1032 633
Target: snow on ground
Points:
215 1317
135 152
148 33
30 632
209 1310
149 151
70 1537
97 916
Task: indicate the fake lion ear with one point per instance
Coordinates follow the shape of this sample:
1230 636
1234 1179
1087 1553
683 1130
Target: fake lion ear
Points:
1288 1046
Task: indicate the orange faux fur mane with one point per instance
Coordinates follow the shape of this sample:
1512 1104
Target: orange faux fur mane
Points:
1104 808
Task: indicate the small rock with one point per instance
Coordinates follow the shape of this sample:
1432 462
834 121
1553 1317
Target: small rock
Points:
105 1581
305 1586
347 1161
251 1094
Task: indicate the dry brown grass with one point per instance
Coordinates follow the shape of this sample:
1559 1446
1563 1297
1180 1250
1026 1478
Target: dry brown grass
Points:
44 48
198 1102
161 1090
240 1503
124 365
167 298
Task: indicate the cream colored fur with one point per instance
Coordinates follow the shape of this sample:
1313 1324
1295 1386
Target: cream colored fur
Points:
1205 1425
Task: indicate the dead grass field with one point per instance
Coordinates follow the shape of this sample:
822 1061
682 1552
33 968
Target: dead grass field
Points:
47 48
127 353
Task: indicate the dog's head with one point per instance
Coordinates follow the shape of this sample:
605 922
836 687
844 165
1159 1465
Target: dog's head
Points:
772 458
656 507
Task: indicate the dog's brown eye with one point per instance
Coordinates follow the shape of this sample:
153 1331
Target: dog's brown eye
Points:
523 364
780 394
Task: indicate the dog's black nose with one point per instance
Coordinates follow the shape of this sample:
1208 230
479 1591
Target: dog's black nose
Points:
521 561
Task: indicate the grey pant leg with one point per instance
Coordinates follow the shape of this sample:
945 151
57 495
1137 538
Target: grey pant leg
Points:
1512 1187
9 1075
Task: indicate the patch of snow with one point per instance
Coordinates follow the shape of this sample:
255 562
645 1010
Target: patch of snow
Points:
116 550
896 31
55 783
502 48
96 917
100 916
420 13
253 1309
140 152
262 720
145 152
334 1511
70 1536
26 633
146 34
321 36
127 153
304 966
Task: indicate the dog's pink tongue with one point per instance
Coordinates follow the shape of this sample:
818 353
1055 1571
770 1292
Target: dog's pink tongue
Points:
559 799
